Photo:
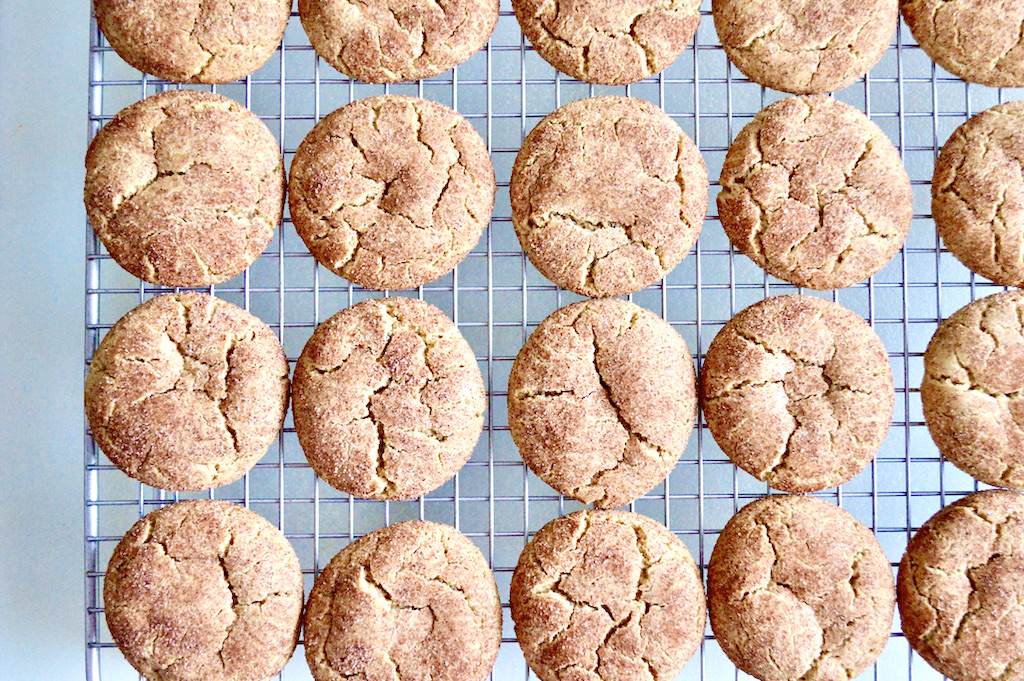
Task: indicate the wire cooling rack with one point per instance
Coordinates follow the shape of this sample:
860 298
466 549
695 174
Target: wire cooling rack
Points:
497 298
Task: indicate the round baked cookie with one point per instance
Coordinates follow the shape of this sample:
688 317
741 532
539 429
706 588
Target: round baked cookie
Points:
805 46
608 595
798 392
186 392
798 589
608 195
414 600
815 193
961 585
972 389
194 41
978 194
184 188
204 590
976 40
388 399
391 192
609 42
391 41
601 401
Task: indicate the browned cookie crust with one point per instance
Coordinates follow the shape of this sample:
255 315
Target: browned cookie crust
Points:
607 595
608 195
186 392
601 401
388 399
204 590
798 589
415 600
977 40
391 192
390 41
805 46
609 42
798 392
978 194
194 41
972 389
184 188
961 588
815 193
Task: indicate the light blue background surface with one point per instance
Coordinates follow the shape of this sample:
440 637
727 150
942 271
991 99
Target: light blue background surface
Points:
43 72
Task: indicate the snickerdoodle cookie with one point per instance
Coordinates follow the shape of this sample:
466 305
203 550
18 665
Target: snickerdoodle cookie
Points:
972 389
798 392
608 195
609 42
961 585
608 595
414 600
388 399
204 590
186 392
184 188
391 192
978 194
601 401
798 589
815 193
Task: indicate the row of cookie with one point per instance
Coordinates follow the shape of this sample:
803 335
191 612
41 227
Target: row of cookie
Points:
802 48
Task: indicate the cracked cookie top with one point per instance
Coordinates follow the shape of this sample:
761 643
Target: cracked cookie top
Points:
414 600
609 42
977 40
798 589
204 590
961 590
608 595
601 401
978 194
388 399
608 195
805 46
972 389
194 41
184 188
392 41
815 193
186 392
798 392
391 192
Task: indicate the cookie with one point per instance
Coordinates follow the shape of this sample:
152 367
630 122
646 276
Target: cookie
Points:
608 195
186 392
414 600
976 40
798 392
601 401
978 194
391 41
388 399
194 41
391 192
204 590
804 47
815 193
608 42
184 188
607 595
960 586
798 589
972 388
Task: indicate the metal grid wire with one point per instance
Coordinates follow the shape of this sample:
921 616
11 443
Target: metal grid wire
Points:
496 298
